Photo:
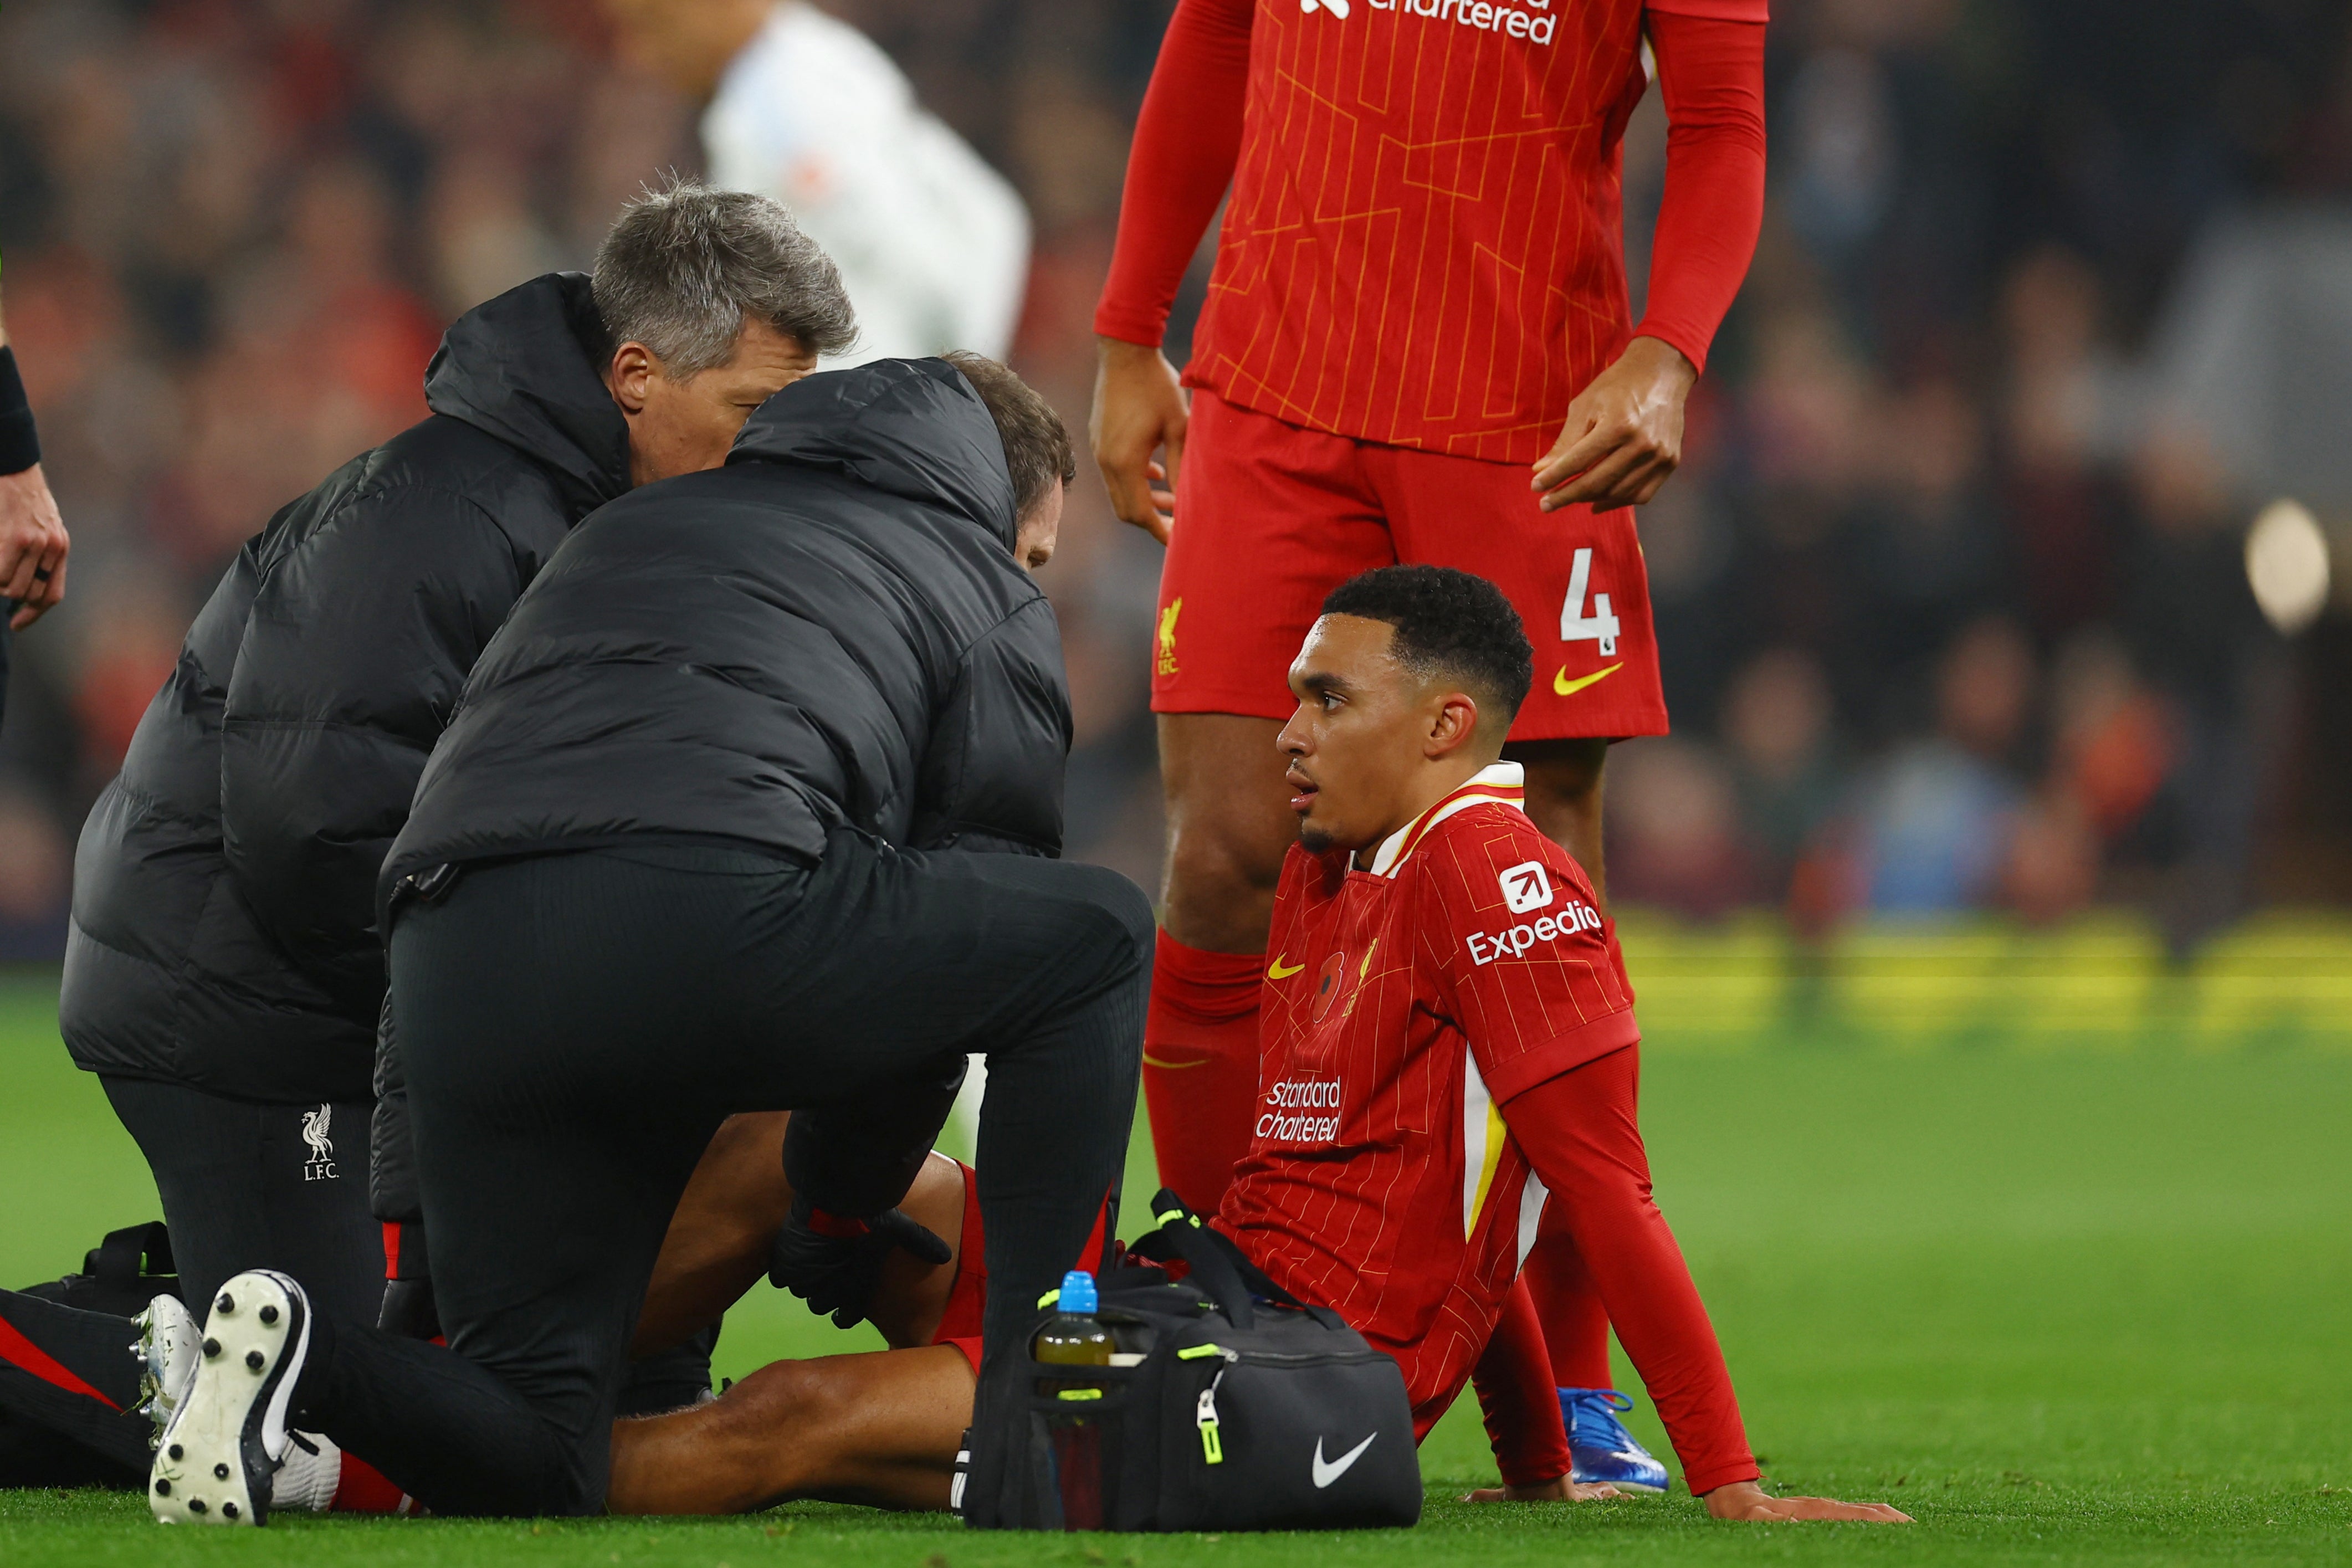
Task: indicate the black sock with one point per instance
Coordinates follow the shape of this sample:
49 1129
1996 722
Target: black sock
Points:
311 1389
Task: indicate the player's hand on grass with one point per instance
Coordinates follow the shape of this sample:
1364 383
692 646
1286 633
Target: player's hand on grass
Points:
33 546
833 1264
1746 1499
1140 409
1560 1489
1624 432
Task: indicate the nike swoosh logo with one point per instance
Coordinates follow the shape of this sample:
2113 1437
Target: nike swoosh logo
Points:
1275 972
1566 688
1328 1471
1151 1061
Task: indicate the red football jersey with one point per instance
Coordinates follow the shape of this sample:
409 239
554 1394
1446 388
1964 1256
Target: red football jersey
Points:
1424 243
1401 1005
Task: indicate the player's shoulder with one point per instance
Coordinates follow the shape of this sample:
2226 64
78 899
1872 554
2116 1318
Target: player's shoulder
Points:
1491 852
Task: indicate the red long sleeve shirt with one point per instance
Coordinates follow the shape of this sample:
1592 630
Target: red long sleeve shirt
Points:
1424 245
1445 1049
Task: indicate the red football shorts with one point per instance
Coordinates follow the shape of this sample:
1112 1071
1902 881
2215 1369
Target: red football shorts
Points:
1271 517
966 1305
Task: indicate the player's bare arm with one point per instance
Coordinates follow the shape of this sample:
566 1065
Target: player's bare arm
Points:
1137 429
33 540
1187 143
1624 434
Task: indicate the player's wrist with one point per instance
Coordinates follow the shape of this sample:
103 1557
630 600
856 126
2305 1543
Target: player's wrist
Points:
1111 350
1732 1499
20 444
1658 357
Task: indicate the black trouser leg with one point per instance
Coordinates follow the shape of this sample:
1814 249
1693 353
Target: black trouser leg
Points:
243 1185
1060 1101
1042 966
259 1186
550 1154
70 1372
576 1026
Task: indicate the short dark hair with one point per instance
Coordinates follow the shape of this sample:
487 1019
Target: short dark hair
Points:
1450 624
684 266
1036 443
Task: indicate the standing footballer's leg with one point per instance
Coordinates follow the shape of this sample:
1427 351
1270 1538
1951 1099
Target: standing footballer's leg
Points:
1228 827
1276 516
1563 800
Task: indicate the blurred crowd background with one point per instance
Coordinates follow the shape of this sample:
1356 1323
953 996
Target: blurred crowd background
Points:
2053 299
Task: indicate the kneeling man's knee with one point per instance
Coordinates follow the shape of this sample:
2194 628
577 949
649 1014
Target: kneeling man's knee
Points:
1127 904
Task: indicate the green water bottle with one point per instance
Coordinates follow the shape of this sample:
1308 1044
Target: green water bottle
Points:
1074 1338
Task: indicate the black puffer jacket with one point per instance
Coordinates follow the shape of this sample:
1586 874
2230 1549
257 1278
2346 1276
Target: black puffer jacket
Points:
224 931
831 629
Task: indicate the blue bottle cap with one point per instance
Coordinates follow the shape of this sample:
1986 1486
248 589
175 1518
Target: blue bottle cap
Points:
1079 1294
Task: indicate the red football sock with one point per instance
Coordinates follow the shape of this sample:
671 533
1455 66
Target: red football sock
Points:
363 1490
1200 1066
1514 1394
1567 1303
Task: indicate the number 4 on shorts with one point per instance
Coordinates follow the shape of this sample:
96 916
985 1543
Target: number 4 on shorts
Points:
1575 626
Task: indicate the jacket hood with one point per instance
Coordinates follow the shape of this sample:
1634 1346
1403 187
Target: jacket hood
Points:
913 427
524 367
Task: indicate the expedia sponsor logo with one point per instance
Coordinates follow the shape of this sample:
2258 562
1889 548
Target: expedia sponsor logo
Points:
1485 948
1301 1111
1526 887
1510 20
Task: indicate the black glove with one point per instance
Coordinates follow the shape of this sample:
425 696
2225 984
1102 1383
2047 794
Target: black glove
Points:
833 1269
408 1310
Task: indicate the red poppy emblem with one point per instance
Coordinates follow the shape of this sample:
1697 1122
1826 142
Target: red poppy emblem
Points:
1328 982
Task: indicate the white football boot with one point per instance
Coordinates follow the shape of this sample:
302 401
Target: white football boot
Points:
168 1357
225 1441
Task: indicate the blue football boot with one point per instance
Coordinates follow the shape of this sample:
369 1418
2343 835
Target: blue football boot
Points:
1599 1446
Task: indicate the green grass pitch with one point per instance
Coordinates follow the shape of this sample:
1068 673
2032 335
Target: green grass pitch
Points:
2083 1302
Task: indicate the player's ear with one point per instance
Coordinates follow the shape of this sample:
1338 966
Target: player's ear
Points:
1454 725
